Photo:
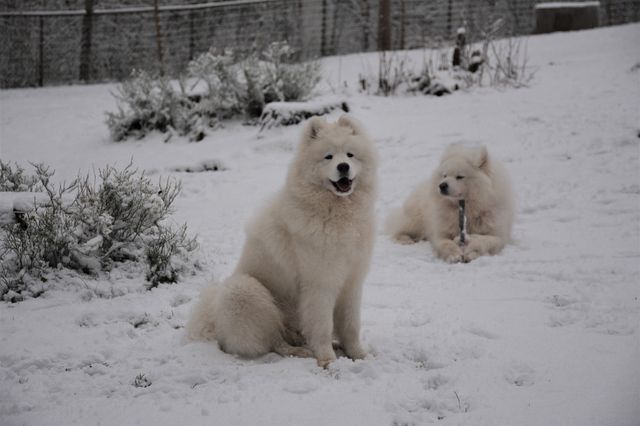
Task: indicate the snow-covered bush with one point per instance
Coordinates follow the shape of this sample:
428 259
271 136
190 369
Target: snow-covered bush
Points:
121 211
224 90
147 103
234 85
89 226
243 84
13 179
166 253
284 80
39 238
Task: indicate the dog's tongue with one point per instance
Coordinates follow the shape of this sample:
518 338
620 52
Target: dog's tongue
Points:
344 184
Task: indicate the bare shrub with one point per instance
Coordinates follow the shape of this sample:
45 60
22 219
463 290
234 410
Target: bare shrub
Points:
496 59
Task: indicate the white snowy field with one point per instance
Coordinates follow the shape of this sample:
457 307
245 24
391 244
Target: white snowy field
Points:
546 333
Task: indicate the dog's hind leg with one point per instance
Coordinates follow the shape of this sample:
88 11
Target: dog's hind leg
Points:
403 228
248 322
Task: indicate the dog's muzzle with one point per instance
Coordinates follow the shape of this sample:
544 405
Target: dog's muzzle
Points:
342 185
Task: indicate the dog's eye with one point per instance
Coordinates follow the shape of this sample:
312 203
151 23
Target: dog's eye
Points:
349 154
459 177
328 157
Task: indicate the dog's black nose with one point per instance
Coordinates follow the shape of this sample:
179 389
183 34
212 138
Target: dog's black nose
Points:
444 188
343 168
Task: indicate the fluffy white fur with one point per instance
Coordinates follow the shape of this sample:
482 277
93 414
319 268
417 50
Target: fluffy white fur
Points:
299 279
431 213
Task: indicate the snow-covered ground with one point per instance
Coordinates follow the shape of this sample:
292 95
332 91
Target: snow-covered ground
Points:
546 333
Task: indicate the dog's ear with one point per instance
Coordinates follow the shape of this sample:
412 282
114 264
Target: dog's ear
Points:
312 129
482 158
350 123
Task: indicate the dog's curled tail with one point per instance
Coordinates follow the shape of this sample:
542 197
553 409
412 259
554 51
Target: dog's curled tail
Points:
201 325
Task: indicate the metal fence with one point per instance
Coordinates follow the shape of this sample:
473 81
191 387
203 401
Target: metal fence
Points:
93 45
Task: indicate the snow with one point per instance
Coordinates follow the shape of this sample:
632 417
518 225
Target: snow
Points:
566 4
287 113
21 202
546 333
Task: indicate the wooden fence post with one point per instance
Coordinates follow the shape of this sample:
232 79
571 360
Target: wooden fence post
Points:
192 40
156 14
366 25
402 24
41 53
323 30
449 16
384 25
85 47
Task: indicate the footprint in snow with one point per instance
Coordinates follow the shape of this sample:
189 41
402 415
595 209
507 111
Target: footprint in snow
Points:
480 332
300 387
436 381
414 319
538 208
87 320
563 319
559 301
567 307
520 375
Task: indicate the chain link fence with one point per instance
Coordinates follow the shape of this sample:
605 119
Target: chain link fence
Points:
105 44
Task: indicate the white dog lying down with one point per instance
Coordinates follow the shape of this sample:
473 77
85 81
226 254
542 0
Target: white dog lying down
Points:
431 211
299 279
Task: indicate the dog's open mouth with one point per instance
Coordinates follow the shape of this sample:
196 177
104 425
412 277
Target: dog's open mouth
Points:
343 185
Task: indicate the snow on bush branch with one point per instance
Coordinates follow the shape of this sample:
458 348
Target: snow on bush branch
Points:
89 226
218 85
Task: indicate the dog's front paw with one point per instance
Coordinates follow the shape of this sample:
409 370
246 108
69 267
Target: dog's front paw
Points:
324 361
470 255
450 252
325 356
354 350
472 250
358 354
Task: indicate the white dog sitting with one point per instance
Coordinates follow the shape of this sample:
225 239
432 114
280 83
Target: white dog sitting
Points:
299 279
